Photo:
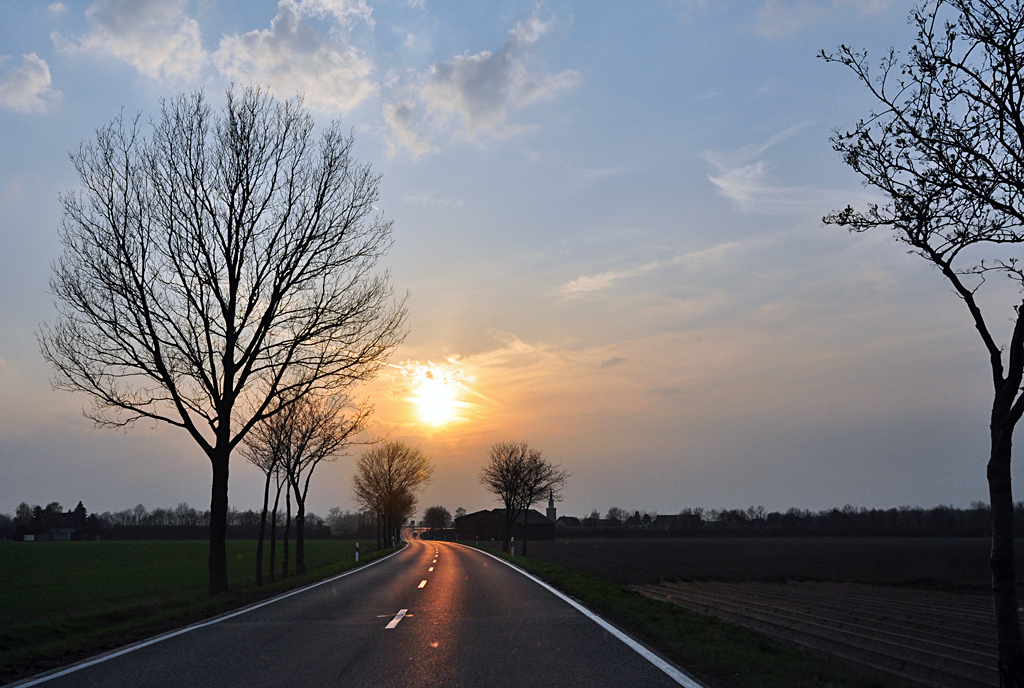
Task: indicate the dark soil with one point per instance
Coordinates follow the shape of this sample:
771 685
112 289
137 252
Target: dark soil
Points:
951 564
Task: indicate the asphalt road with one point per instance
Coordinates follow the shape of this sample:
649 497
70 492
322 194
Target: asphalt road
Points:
470 621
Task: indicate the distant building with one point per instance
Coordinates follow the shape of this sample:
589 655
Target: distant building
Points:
489 524
634 521
552 515
568 522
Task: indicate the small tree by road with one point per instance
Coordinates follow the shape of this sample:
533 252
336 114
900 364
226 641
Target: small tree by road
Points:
291 444
264 449
520 477
542 479
216 270
944 145
321 428
387 478
436 518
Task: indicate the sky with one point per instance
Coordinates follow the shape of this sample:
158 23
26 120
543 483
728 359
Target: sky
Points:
608 220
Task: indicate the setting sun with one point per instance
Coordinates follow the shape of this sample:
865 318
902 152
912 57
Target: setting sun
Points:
436 393
435 400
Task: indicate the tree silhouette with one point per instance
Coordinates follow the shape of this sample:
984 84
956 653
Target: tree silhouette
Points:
217 270
386 481
437 517
945 147
519 476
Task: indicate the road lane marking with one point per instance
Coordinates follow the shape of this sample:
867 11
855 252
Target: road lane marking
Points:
673 673
398 617
423 584
202 624
430 569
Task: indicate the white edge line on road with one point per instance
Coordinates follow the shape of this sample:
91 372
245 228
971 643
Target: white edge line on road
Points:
676 675
398 617
181 631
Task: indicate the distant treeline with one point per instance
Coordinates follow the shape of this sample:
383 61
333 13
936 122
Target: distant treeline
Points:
183 522
941 520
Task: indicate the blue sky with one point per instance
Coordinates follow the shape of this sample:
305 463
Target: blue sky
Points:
608 216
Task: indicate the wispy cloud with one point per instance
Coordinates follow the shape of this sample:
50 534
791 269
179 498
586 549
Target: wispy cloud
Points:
600 281
586 176
743 177
787 17
472 94
405 131
26 87
429 199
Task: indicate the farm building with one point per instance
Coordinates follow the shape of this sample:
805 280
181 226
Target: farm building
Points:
490 525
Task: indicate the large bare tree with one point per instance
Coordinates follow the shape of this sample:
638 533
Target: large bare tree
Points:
386 481
215 267
945 145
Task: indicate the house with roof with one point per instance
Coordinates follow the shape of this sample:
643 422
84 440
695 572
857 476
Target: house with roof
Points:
489 524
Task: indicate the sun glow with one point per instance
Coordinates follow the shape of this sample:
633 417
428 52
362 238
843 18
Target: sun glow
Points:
435 401
436 393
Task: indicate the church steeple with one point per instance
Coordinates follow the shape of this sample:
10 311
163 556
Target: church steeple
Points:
551 506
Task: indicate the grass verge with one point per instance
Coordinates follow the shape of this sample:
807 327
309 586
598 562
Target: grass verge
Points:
64 601
714 652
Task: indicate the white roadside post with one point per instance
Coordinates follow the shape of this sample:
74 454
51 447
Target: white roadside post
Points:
512 546
357 552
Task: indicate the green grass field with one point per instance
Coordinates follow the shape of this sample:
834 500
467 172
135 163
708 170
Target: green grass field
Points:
63 600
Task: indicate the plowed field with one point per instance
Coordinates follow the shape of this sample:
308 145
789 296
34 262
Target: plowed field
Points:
933 639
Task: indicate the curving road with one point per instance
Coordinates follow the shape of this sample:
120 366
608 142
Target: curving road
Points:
469 620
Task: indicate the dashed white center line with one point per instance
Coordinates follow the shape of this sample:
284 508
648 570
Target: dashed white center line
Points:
430 569
422 584
398 617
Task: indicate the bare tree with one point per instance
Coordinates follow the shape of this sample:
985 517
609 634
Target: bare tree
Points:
617 514
542 479
945 147
266 447
319 429
215 268
386 481
502 476
520 477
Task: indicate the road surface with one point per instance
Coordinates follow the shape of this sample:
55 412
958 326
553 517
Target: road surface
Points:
469 621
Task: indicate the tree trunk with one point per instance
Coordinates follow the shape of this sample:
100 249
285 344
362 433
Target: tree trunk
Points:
526 527
263 526
300 526
218 563
287 528
1004 579
508 530
273 536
